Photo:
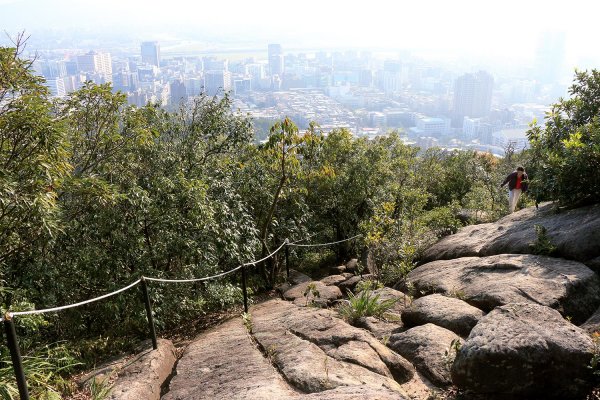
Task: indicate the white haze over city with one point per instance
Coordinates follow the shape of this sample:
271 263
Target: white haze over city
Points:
509 29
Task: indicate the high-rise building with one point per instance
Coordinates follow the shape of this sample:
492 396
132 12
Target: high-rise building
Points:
178 92
472 96
56 86
51 69
151 53
216 82
215 64
276 60
96 64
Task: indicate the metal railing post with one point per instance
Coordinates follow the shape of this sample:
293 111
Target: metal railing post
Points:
15 355
287 260
149 313
244 289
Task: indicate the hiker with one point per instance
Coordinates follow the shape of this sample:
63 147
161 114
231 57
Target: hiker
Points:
517 184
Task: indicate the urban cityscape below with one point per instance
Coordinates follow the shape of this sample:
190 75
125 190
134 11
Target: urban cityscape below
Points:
430 101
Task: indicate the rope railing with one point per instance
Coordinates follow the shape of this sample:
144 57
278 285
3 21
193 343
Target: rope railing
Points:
11 335
325 244
81 303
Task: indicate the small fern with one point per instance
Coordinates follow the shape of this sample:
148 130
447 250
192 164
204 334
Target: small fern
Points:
365 304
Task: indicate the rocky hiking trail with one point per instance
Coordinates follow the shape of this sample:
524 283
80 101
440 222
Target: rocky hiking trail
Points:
483 316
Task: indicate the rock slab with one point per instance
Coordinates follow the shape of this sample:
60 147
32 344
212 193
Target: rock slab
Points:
447 312
224 364
575 233
320 294
488 282
144 377
525 350
317 351
426 347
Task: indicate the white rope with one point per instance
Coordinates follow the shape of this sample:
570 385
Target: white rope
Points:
266 257
218 275
323 244
285 243
47 310
192 279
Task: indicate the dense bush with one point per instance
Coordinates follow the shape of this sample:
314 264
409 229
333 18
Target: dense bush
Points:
566 151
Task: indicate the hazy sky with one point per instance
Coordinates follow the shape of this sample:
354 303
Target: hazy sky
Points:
507 27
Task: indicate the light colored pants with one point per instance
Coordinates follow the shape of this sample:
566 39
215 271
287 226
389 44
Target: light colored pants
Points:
513 199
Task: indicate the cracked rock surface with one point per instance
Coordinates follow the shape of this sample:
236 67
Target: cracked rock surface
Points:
487 282
281 360
316 351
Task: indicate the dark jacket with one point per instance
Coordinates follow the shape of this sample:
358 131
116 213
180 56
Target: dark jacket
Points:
511 179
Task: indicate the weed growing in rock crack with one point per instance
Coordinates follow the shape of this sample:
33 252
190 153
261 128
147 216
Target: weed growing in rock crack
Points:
311 290
368 284
595 361
272 353
434 395
542 245
458 293
365 304
326 365
450 354
411 290
247 320
100 388
385 340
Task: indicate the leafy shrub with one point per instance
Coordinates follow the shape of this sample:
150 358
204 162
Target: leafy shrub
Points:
365 304
542 245
566 151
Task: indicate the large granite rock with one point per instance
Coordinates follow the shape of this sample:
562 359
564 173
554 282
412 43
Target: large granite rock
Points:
144 376
225 363
326 294
352 265
575 233
381 329
592 324
444 311
317 351
428 348
487 282
333 280
526 351
350 283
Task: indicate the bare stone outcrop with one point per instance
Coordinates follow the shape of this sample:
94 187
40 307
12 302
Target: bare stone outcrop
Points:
592 324
525 351
227 363
316 351
224 364
326 294
382 330
487 282
426 346
575 233
333 280
447 312
143 377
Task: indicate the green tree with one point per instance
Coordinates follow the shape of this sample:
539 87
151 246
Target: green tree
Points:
566 151
34 162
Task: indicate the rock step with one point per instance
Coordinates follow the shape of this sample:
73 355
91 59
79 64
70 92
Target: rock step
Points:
487 282
313 349
575 233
